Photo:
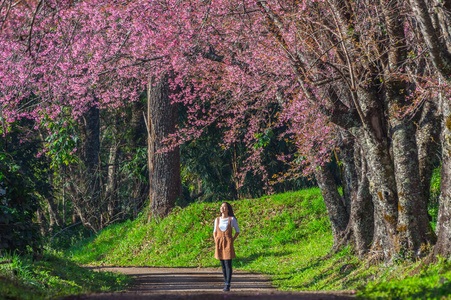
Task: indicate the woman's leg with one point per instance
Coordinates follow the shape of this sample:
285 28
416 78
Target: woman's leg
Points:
224 269
228 267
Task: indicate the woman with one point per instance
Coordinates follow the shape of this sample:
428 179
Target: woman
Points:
224 250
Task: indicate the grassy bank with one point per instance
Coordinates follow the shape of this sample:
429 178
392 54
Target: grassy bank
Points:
286 236
53 276
271 227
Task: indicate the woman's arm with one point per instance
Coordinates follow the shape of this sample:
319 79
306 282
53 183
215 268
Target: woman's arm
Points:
237 229
214 230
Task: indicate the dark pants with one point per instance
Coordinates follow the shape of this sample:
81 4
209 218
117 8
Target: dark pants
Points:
227 270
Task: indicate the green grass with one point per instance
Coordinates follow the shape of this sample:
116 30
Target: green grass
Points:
398 282
270 227
286 236
53 276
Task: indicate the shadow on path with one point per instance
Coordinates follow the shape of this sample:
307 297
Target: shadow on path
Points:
200 283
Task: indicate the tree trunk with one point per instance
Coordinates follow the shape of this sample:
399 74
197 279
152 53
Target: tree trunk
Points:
413 223
349 178
428 142
64 196
111 182
86 180
54 216
164 167
91 144
360 229
41 222
140 188
48 193
441 57
338 215
362 211
414 230
382 186
443 246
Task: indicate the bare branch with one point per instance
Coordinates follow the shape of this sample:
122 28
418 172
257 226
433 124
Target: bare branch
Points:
32 24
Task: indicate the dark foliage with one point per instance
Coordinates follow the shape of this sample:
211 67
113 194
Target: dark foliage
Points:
18 232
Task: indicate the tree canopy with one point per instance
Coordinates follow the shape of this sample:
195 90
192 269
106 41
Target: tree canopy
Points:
321 70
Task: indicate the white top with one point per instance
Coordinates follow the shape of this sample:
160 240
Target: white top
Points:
224 222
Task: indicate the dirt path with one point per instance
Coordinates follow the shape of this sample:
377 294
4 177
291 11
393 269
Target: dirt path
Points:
201 283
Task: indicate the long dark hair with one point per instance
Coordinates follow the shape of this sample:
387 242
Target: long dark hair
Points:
230 209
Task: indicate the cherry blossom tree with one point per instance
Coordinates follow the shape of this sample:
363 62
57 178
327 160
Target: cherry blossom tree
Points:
331 66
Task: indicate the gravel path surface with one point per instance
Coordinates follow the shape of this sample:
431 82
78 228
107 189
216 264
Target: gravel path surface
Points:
201 283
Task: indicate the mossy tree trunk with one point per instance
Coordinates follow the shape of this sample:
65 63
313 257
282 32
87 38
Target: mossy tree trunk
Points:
359 231
440 55
362 210
348 172
414 229
428 142
374 140
336 209
443 246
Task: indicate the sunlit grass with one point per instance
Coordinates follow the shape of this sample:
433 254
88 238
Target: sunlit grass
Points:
53 276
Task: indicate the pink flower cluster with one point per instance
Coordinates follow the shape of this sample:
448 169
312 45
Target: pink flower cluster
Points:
230 65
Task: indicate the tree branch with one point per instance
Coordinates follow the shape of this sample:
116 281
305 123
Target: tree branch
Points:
440 55
30 33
